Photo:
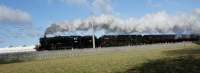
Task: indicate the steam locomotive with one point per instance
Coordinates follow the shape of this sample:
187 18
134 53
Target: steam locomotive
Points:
80 42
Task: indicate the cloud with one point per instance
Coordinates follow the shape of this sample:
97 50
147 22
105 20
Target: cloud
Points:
96 6
196 11
151 3
196 0
155 23
102 6
9 15
70 2
2 40
15 22
78 2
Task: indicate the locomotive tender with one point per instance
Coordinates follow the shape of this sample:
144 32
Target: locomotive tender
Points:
79 42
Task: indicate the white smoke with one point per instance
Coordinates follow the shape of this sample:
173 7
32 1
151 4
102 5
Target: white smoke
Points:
155 23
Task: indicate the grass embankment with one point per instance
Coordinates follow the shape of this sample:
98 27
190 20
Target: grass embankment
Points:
185 60
108 62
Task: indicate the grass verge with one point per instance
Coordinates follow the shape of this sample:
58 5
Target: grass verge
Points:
114 61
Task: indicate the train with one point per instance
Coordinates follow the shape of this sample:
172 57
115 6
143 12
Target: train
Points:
81 42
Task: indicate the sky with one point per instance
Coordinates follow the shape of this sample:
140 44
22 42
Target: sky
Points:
23 22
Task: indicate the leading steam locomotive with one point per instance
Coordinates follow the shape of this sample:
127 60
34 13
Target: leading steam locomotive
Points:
80 42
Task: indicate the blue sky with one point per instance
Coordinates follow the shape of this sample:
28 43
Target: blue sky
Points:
37 15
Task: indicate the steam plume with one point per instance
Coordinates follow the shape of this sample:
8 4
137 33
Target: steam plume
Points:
155 23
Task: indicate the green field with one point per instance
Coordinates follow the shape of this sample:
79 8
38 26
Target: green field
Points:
114 61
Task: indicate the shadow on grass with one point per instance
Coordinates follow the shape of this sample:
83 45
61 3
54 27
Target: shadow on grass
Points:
188 51
10 61
194 52
15 57
183 64
182 61
196 42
